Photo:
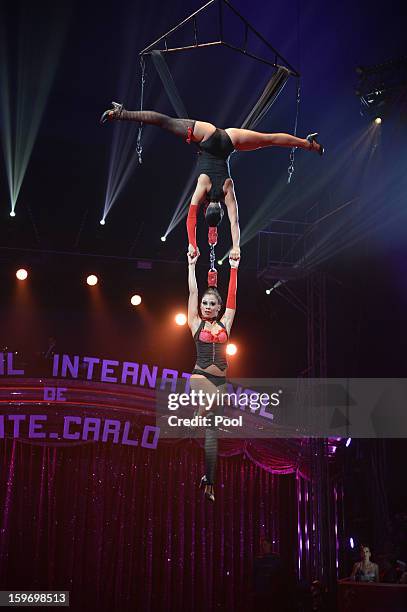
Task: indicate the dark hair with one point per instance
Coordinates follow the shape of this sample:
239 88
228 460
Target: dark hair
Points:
214 214
215 292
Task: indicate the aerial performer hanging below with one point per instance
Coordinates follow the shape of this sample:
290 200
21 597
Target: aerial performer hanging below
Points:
214 183
211 333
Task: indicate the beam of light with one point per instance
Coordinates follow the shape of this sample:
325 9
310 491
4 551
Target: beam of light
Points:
327 241
183 205
281 199
35 73
135 300
348 441
381 207
275 286
22 274
365 211
180 318
123 160
92 280
102 222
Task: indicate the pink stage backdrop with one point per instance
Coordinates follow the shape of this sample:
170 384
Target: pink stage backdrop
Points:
125 527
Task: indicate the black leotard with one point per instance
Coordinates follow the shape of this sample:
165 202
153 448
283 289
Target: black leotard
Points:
213 160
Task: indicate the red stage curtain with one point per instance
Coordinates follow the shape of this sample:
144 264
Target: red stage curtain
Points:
126 528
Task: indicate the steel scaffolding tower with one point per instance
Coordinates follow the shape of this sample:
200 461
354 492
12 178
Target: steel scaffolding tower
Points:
282 249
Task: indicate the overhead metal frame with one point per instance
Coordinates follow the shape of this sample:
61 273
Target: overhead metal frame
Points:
278 60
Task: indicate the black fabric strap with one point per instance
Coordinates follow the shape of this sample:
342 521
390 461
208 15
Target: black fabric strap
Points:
270 94
169 84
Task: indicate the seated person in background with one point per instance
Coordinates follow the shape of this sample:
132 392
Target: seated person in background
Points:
365 570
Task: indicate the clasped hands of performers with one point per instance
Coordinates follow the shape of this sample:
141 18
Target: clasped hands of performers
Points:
193 258
234 254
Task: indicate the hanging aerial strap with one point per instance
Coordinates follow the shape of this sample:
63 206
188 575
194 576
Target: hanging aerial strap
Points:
169 84
170 88
269 95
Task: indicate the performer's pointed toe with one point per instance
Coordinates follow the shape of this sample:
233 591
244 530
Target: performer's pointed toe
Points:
112 113
208 488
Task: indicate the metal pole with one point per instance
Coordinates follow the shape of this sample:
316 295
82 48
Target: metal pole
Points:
175 28
232 8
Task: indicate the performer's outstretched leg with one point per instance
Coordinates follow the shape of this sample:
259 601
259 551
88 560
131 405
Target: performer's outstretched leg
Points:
189 129
249 140
179 127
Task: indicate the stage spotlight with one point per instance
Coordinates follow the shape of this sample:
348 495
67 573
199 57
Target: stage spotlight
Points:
92 280
220 262
180 319
135 300
12 213
378 120
348 441
102 222
21 274
231 349
351 543
163 238
268 291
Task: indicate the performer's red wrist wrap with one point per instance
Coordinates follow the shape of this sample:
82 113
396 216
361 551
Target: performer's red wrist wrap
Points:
231 301
191 224
190 131
213 235
212 278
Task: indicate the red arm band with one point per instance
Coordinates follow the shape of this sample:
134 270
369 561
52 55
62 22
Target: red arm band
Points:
191 224
212 278
231 301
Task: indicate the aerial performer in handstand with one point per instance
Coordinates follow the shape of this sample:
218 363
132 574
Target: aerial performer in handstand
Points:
211 333
214 183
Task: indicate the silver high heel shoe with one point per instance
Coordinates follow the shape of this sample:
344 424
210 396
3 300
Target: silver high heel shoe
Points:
208 494
312 140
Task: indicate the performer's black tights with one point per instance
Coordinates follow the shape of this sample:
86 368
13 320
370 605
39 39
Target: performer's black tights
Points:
179 127
211 454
